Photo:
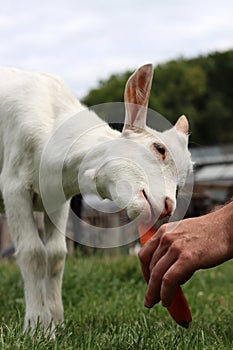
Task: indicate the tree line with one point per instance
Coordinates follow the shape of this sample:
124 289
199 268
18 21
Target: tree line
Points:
201 88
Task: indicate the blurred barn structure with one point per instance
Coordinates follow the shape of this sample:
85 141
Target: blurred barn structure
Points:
213 177
213 186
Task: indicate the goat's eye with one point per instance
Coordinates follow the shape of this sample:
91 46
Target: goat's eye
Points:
177 191
159 148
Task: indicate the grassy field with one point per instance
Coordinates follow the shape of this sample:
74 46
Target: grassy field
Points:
103 299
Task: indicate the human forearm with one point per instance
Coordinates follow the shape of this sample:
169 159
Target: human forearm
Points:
224 221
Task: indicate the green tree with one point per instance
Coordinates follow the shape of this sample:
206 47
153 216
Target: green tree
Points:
201 88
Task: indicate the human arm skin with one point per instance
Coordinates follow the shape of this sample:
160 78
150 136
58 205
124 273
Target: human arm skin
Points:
170 258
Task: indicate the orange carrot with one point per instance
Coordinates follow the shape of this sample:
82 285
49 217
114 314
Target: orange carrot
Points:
179 309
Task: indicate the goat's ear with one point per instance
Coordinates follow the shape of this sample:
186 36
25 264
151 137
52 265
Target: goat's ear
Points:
137 92
182 125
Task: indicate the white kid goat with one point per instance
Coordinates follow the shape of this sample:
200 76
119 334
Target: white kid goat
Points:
33 107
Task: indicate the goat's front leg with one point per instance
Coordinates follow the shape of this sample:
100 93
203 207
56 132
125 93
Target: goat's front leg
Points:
56 251
30 254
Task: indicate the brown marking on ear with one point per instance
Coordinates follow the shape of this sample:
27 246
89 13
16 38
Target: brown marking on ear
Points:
138 86
182 125
136 96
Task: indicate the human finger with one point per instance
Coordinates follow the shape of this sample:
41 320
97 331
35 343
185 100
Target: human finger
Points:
177 274
145 255
153 293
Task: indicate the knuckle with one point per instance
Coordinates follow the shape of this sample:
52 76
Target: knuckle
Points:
186 256
163 228
175 248
166 239
142 256
153 275
167 281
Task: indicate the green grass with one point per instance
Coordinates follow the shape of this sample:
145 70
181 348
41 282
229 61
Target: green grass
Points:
103 299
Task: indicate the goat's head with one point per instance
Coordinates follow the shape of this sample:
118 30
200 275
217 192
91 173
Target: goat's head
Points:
143 169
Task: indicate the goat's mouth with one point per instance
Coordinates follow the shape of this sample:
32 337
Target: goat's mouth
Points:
155 214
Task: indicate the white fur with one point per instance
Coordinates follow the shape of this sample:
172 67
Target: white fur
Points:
32 107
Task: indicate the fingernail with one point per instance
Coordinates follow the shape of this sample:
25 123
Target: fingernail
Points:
164 304
147 303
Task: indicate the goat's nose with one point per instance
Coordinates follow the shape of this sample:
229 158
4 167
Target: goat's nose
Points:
167 210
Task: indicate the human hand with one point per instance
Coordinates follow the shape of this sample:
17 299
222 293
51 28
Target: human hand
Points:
176 251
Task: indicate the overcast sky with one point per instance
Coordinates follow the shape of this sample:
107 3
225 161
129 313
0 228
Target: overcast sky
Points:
84 41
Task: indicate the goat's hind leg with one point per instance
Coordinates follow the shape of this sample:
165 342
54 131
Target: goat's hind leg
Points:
30 254
55 243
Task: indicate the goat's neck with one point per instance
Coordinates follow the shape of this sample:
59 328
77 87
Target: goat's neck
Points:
85 155
69 151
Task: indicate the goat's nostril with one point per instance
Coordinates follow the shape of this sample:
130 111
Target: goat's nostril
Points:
168 206
144 194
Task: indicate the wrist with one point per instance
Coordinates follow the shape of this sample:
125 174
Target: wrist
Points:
225 216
